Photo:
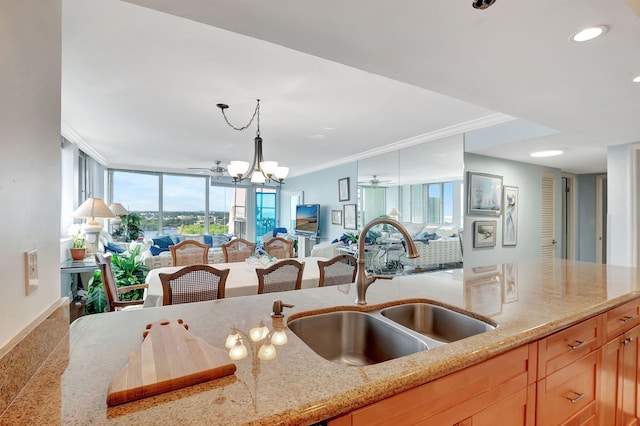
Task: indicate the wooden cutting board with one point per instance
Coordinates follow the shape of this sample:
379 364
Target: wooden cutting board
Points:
169 358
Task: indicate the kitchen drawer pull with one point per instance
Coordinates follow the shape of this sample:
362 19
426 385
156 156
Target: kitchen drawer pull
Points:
577 398
627 318
579 344
627 341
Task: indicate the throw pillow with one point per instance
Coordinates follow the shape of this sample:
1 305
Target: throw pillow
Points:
163 242
113 248
155 250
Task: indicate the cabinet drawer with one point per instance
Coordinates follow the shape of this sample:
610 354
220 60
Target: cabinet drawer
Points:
622 318
569 392
566 346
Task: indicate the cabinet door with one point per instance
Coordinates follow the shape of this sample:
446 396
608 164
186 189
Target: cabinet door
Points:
568 396
619 393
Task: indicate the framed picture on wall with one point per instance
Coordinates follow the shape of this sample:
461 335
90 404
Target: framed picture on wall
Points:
350 221
336 217
484 233
484 196
510 218
343 189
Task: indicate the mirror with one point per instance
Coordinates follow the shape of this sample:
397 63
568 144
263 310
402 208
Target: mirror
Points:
423 183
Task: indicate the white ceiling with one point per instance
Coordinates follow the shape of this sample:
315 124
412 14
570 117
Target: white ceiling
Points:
341 80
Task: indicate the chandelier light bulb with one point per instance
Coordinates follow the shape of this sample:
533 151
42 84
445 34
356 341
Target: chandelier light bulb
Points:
281 172
268 167
267 352
238 351
258 177
258 333
232 339
279 338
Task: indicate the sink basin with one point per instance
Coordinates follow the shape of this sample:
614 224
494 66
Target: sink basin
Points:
436 322
354 338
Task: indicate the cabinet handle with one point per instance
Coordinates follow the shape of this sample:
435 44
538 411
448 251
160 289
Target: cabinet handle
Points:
579 344
627 341
627 318
577 398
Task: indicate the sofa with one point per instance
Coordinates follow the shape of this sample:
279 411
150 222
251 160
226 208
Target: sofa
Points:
437 246
158 255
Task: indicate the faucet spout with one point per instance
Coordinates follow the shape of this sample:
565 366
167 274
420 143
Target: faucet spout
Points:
363 279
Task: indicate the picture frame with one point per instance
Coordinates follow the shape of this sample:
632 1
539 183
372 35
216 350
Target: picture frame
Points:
484 194
350 218
343 189
483 293
510 287
484 233
510 202
336 217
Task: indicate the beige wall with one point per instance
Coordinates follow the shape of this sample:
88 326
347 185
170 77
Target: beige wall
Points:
30 58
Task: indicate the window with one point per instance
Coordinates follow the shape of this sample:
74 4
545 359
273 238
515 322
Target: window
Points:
265 211
139 193
438 208
183 204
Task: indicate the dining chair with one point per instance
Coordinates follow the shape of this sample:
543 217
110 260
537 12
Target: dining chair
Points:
279 248
112 291
341 269
284 275
189 252
194 283
238 250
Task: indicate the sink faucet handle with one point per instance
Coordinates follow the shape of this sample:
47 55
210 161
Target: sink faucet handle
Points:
277 308
382 277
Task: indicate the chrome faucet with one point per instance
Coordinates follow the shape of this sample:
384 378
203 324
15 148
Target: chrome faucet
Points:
364 280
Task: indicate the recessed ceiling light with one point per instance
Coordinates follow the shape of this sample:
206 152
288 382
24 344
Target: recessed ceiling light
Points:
550 153
589 33
636 79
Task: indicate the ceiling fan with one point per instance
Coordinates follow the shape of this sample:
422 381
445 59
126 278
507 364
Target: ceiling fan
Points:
374 182
217 171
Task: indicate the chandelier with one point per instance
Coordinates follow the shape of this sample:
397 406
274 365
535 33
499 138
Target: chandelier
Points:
259 171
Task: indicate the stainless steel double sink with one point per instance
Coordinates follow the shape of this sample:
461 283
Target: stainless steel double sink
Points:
356 338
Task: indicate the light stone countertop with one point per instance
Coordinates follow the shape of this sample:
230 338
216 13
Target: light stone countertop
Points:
528 300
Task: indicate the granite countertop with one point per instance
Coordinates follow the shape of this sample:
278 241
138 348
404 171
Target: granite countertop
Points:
528 300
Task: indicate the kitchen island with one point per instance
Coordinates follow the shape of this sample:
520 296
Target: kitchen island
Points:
528 300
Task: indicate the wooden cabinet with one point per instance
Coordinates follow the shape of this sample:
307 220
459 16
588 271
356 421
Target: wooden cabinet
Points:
484 394
586 374
619 377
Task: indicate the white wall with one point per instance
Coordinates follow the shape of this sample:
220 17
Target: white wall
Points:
30 59
527 178
321 187
621 212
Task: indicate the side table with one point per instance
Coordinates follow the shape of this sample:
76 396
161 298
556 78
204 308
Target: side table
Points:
75 268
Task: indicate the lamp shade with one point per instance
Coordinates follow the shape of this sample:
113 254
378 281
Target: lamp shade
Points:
93 208
394 212
118 209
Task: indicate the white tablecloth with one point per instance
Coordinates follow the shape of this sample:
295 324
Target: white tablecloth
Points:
242 279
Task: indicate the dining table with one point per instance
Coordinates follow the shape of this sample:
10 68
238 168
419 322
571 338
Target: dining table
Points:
241 281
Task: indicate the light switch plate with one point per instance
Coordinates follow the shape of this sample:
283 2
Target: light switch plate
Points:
31 271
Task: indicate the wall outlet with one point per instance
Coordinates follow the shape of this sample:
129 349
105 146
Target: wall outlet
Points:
31 271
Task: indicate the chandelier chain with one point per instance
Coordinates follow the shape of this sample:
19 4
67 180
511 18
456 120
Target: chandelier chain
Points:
256 112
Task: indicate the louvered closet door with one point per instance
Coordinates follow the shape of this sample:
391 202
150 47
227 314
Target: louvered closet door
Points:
547 216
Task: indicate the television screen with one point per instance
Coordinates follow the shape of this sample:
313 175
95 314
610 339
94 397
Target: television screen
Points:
307 219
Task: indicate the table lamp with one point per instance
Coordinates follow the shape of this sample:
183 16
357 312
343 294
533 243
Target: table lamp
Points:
92 208
118 210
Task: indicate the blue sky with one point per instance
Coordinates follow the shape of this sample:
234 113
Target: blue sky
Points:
139 192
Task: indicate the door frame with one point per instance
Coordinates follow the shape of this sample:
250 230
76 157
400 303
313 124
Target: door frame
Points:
569 216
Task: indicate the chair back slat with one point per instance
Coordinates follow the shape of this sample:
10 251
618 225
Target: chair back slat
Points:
341 269
194 283
282 276
238 250
279 248
108 280
189 252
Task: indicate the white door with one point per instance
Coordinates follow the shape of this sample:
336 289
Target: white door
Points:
547 216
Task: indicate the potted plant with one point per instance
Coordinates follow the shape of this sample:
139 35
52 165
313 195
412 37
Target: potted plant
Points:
130 229
78 250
